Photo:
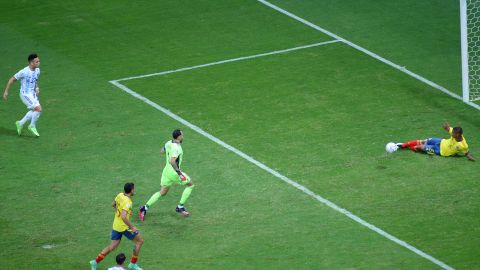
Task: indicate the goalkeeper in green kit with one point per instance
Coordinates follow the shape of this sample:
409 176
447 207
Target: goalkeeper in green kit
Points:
172 175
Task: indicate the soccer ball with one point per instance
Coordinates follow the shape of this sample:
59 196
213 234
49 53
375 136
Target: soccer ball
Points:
391 147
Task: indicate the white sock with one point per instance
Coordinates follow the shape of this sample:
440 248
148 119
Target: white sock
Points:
35 117
27 117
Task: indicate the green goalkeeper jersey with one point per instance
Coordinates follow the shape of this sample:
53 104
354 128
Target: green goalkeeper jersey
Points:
173 149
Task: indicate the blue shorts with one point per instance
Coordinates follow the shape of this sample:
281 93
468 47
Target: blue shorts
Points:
432 146
118 235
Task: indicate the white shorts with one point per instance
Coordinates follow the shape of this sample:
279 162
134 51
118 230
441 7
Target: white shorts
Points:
30 100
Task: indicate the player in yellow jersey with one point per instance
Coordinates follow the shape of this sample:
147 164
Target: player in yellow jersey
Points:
122 226
455 145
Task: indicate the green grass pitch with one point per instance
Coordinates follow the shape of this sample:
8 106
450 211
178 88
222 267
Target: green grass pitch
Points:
320 116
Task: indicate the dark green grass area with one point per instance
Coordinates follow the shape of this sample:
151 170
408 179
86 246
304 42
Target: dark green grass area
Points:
124 38
319 116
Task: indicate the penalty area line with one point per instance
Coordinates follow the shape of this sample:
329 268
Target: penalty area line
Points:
282 177
228 61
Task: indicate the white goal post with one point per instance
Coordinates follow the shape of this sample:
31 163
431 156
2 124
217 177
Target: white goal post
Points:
470 47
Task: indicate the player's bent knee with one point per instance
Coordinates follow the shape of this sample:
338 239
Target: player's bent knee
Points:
163 191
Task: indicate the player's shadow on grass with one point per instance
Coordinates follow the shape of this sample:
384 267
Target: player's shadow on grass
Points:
13 133
8 132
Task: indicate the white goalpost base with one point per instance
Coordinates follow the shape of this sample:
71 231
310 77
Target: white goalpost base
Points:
470 48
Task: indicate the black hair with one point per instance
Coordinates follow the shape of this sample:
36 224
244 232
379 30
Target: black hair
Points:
120 258
458 130
176 133
128 187
32 56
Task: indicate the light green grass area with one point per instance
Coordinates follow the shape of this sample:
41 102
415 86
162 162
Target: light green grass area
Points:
320 116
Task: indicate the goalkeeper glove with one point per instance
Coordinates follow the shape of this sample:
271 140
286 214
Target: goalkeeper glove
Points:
182 177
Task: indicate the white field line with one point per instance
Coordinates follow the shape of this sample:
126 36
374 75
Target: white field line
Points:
229 60
280 176
374 55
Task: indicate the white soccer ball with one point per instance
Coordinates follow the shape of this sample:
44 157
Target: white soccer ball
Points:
391 147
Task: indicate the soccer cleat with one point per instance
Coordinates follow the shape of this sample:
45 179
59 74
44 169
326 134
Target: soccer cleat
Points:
93 264
134 266
142 213
399 145
34 131
182 211
19 127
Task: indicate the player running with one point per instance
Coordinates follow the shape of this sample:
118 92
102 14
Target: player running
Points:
122 226
172 175
29 91
456 144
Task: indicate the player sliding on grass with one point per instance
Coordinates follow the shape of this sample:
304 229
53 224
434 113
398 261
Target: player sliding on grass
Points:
172 175
122 226
456 144
29 91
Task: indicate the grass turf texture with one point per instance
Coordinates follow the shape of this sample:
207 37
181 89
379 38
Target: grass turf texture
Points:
320 116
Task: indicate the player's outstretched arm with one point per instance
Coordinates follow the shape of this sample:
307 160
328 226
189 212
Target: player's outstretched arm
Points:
162 151
7 88
446 126
469 156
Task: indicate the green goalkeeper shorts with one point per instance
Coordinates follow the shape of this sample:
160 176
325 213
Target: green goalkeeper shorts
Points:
169 178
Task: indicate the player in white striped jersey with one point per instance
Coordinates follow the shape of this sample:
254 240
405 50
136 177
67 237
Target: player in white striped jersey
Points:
29 91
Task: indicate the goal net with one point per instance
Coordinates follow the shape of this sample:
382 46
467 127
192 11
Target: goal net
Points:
470 38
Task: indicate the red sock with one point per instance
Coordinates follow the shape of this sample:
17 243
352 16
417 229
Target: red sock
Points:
134 259
100 257
411 144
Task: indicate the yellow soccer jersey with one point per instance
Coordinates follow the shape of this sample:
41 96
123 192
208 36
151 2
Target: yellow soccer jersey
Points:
450 147
123 202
